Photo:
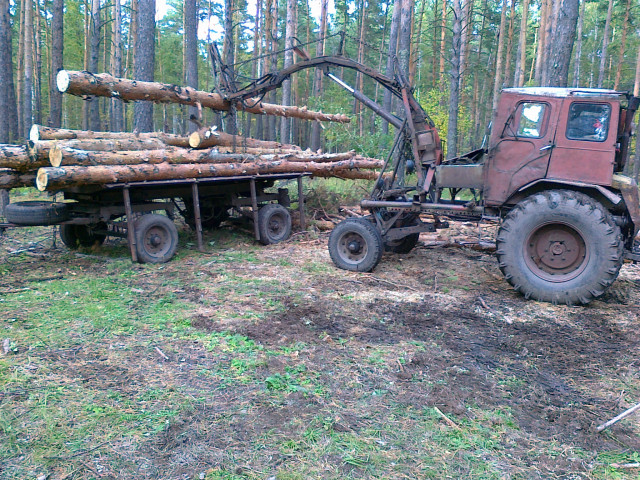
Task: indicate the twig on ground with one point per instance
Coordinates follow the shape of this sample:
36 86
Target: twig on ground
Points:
388 282
449 422
79 453
162 353
624 414
483 303
625 465
17 290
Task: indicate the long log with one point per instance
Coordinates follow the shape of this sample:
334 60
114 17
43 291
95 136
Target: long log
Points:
56 178
208 137
17 157
104 85
65 156
40 132
13 179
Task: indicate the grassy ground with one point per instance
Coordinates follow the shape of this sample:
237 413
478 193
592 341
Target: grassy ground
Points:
250 362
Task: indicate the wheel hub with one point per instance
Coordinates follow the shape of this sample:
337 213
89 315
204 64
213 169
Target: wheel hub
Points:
354 246
155 240
556 252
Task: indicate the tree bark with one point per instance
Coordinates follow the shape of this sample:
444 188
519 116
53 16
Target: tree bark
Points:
404 36
228 55
454 84
541 45
285 124
144 61
605 44
507 63
56 178
317 81
394 28
8 107
636 93
562 43
443 37
206 138
104 85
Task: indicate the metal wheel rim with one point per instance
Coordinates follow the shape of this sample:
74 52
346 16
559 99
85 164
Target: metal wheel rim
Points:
348 255
276 225
556 252
157 241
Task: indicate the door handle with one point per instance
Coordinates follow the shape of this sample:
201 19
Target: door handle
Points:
548 147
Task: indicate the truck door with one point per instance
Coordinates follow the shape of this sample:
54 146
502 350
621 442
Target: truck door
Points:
585 143
520 150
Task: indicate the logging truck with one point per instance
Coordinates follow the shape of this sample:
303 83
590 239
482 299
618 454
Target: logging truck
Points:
551 175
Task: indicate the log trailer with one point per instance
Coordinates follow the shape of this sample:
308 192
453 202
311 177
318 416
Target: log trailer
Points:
551 174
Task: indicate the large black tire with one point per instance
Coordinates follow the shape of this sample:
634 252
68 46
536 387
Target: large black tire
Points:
156 238
75 236
36 213
561 247
274 224
405 244
212 214
355 244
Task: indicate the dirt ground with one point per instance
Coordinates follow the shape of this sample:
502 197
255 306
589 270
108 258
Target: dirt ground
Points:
436 330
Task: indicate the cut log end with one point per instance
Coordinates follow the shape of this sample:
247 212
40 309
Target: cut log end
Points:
195 139
34 133
41 180
63 80
55 156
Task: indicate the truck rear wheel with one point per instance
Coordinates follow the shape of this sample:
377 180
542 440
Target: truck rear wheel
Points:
356 244
274 224
560 246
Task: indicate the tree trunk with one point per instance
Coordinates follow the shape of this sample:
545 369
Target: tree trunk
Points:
228 56
37 62
404 37
206 138
636 93
190 52
144 61
56 178
394 28
578 57
562 44
522 46
541 45
605 44
497 81
27 106
40 133
20 71
12 179
443 37
8 107
317 80
17 157
507 63
93 121
116 110
623 45
285 124
256 72
57 49
104 85
454 84
357 107
415 49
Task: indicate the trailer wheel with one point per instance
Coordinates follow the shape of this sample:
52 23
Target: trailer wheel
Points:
405 244
211 214
560 246
36 213
356 244
156 238
74 236
274 224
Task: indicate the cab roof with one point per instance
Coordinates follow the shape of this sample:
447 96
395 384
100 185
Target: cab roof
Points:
563 92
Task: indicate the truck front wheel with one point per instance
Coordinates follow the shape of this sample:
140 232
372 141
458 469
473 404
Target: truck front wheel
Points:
560 246
356 244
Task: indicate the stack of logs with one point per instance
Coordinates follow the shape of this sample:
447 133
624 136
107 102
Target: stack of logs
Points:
55 159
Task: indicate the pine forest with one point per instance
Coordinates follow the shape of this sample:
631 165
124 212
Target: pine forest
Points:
458 55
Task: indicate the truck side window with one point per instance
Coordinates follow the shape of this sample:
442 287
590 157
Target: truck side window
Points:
588 121
531 119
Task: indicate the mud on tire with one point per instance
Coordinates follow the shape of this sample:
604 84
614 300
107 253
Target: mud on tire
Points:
560 246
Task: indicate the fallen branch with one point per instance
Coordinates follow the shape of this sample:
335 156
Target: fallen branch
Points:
450 422
624 414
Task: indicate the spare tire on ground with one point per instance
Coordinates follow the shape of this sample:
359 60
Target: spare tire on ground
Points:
36 213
